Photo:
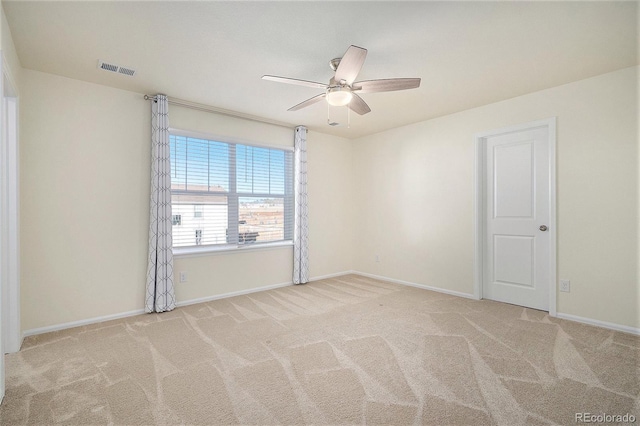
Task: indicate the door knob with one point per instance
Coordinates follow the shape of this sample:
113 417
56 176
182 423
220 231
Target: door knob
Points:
543 227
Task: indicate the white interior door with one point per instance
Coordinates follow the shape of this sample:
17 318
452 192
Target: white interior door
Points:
516 246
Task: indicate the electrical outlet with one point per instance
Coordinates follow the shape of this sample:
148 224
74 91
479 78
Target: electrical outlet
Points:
183 277
565 285
377 258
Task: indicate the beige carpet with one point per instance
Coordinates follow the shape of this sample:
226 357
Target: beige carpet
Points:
349 350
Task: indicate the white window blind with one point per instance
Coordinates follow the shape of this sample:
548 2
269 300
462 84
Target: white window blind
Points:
229 194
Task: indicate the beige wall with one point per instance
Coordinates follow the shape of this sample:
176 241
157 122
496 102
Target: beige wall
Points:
414 195
84 204
329 212
84 190
405 195
9 51
330 187
269 267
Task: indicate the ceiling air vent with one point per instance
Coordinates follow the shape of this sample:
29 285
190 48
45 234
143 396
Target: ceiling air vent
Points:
127 71
116 68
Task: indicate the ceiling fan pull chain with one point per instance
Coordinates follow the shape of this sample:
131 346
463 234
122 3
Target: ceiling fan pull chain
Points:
348 117
329 122
328 113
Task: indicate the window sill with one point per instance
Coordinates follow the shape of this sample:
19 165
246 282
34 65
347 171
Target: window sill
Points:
182 252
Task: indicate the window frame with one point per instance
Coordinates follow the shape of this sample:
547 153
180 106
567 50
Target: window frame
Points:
233 196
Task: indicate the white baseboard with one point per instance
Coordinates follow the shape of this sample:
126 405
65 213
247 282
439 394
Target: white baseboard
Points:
324 277
88 321
72 324
598 323
410 284
232 294
588 321
254 290
94 320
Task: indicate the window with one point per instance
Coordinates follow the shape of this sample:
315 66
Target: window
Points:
229 194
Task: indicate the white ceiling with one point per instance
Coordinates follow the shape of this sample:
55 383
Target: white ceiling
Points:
467 53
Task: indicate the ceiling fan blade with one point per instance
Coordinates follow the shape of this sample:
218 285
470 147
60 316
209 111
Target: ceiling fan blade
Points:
358 105
294 81
350 64
308 102
386 85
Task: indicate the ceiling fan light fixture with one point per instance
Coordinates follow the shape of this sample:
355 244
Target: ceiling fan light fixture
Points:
342 87
339 96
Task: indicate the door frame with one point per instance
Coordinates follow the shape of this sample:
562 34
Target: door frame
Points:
10 217
480 141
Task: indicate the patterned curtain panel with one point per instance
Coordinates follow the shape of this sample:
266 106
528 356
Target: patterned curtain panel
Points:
301 232
160 294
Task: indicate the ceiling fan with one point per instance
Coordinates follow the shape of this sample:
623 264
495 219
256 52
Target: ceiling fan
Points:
342 89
